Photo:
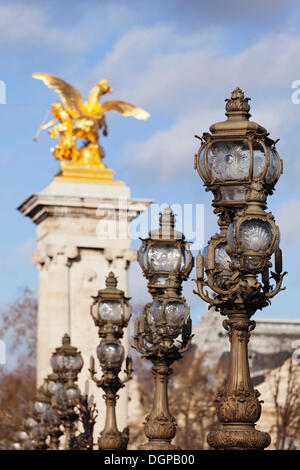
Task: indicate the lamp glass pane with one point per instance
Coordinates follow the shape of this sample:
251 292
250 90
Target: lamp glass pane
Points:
54 363
259 160
233 193
229 161
222 259
40 407
22 436
164 257
72 394
143 257
73 362
231 236
175 313
110 310
202 164
17 446
54 387
255 235
126 312
273 168
30 423
155 314
110 355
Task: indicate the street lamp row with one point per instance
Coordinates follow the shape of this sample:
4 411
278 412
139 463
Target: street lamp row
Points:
239 164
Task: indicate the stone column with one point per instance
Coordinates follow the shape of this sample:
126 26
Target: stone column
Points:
82 234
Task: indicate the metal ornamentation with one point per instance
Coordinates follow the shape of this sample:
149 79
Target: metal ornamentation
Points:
239 163
155 332
111 312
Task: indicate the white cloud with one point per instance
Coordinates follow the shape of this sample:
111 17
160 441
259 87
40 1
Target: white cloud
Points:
181 77
34 24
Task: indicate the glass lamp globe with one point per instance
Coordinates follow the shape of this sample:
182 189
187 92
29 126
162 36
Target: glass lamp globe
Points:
17 446
113 310
72 394
110 355
30 444
51 416
22 436
253 241
52 386
170 314
40 407
30 423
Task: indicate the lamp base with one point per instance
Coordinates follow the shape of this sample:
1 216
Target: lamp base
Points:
238 437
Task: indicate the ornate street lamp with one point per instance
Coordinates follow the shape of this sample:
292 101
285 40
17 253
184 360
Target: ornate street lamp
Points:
52 387
40 413
111 312
239 163
32 429
67 362
155 334
165 251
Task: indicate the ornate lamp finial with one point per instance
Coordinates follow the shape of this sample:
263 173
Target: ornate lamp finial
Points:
111 280
238 103
167 218
66 340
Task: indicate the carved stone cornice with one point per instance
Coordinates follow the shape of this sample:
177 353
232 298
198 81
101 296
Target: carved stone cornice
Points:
55 255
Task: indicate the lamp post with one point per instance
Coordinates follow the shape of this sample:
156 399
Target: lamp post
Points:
52 388
67 362
166 261
41 408
111 312
239 163
154 337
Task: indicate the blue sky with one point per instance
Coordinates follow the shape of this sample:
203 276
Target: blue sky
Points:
177 59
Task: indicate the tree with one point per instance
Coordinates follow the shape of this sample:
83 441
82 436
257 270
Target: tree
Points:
18 385
19 326
285 386
17 388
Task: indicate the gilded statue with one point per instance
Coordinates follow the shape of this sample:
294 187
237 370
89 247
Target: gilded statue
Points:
74 119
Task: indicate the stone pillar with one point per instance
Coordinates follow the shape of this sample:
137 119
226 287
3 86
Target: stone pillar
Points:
82 234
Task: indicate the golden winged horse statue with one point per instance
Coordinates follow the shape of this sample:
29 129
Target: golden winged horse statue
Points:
75 119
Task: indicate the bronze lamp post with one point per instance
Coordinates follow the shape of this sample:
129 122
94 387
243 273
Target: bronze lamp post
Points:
239 163
166 261
111 312
66 363
155 335
52 387
41 407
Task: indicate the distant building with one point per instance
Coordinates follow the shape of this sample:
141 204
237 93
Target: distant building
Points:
269 346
